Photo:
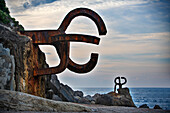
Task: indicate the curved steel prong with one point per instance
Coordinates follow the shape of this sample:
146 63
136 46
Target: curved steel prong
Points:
76 38
80 38
124 81
83 12
66 37
102 31
59 39
85 67
63 51
119 83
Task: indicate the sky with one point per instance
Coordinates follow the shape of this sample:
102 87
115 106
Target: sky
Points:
136 46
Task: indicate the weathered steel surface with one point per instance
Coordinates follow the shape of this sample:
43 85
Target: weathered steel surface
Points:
61 41
85 67
119 83
83 12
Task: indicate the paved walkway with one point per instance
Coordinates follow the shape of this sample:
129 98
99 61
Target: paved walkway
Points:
106 109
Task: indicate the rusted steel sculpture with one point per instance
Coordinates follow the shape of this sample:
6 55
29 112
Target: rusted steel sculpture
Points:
61 41
119 83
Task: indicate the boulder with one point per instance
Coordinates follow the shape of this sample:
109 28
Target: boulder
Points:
113 99
78 93
88 97
92 102
18 101
68 88
83 100
49 94
96 96
144 106
104 100
54 82
65 93
157 107
77 98
56 98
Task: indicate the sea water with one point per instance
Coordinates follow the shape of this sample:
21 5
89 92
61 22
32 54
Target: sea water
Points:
149 96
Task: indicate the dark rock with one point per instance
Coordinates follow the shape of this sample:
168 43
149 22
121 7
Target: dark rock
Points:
104 100
56 97
77 98
21 48
88 97
114 99
55 82
65 93
7 69
83 100
69 89
124 91
157 107
78 93
96 96
49 94
144 106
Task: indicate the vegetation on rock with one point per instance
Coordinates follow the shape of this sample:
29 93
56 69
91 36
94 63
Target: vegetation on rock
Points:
3 7
6 19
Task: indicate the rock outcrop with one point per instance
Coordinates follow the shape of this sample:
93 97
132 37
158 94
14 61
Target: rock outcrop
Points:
64 92
16 57
18 101
144 106
16 46
17 62
157 107
122 98
78 93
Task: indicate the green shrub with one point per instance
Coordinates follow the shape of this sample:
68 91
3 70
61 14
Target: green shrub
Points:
3 7
4 18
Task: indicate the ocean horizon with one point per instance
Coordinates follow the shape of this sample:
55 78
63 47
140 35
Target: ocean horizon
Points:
140 96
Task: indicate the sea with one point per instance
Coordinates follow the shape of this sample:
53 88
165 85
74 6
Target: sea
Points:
140 96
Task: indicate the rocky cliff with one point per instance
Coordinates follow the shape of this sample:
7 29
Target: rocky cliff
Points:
17 62
16 57
16 68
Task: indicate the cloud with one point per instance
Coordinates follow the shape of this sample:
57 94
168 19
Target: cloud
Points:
58 8
136 44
